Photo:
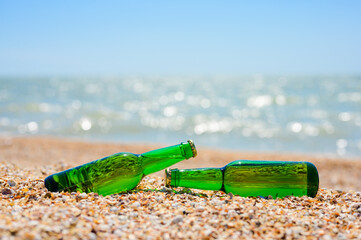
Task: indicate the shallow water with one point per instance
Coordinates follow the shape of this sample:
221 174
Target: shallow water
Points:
303 114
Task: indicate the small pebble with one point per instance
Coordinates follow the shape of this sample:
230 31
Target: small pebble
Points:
136 205
6 191
83 195
177 219
356 206
11 183
113 209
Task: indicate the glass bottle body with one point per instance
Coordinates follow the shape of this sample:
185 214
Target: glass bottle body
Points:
252 178
118 172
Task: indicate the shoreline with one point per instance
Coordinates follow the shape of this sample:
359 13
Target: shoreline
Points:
334 156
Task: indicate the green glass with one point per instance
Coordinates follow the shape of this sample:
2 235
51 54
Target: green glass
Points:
251 178
119 172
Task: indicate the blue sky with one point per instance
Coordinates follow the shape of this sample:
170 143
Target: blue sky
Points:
180 37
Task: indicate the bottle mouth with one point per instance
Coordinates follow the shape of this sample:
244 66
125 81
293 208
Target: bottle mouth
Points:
168 177
172 177
193 147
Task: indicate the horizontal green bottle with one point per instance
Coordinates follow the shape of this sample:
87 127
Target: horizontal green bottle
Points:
251 178
119 172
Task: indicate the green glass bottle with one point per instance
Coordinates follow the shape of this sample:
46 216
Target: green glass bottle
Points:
251 178
119 172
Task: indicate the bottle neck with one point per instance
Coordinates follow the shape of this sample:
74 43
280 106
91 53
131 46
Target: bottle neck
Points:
159 159
200 178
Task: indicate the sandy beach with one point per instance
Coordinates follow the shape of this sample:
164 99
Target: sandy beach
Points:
29 211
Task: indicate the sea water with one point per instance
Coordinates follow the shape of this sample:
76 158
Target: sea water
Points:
297 114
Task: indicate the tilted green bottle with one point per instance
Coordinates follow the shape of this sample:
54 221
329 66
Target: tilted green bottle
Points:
251 178
119 172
